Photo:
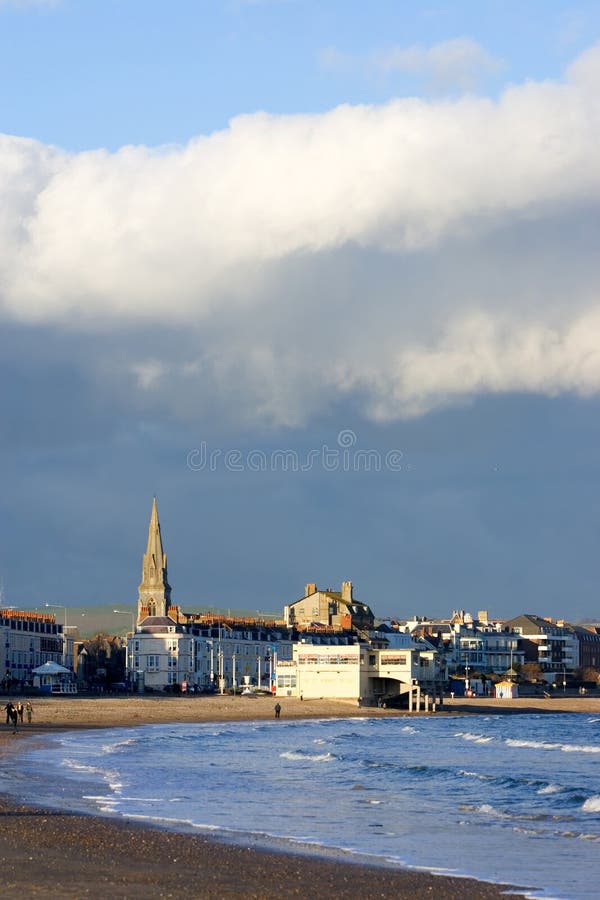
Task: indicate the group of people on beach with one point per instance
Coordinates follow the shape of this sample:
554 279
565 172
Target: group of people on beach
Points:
14 714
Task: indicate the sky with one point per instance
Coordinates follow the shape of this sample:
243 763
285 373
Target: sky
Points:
321 276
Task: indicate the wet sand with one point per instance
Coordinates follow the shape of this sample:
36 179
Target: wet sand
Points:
49 854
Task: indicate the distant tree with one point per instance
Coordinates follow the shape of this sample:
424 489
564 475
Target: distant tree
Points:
531 671
104 660
588 673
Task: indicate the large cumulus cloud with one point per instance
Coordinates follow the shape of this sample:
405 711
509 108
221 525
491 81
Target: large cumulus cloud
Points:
412 254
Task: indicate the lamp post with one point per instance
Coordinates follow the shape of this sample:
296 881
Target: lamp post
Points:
128 652
64 633
220 666
209 644
127 612
220 662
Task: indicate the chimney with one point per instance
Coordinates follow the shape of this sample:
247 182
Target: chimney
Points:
482 616
310 589
347 591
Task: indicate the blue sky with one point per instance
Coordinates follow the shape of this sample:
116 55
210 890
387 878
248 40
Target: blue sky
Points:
104 73
266 226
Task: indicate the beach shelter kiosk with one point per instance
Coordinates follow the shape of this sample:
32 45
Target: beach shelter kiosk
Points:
507 690
52 678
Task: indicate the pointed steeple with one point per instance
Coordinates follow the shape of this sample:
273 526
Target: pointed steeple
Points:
154 597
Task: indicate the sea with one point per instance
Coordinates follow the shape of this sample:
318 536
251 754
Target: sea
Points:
502 798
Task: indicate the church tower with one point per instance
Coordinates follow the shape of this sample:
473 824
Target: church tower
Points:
154 592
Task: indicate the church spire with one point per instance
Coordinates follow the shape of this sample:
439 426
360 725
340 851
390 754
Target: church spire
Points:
154 597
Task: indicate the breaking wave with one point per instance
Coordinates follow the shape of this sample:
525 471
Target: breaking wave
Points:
547 745
306 757
476 738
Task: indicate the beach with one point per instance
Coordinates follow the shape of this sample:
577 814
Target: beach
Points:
46 853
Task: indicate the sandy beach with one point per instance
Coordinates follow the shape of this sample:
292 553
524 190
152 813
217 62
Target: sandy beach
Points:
46 853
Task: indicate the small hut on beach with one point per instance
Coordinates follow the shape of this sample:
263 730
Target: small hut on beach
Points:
52 678
507 690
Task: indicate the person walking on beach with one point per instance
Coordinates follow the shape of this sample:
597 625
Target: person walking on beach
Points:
29 710
12 716
277 710
9 709
20 711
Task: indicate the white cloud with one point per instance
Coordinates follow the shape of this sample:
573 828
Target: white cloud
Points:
148 372
485 354
459 63
415 253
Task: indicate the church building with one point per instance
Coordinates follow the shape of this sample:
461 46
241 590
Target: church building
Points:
188 651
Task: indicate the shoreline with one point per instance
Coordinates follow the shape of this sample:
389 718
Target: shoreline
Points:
47 851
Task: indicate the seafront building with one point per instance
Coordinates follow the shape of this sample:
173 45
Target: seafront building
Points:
471 644
553 646
30 639
385 668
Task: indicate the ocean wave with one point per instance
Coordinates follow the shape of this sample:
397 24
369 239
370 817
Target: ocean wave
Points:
475 738
550 789
578 835
486 809
547 745
119 746
592 804
467 774
76 766
308 757
493 811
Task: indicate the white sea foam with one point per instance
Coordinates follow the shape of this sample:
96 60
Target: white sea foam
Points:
550 789
117 746
82 767
486 809
547 745
592 804
476 738
467 774
315 757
